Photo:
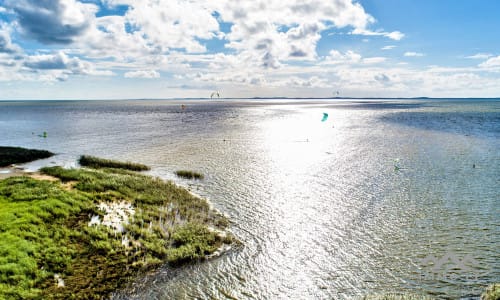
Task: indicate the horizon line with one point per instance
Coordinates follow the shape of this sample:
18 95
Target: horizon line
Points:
260 98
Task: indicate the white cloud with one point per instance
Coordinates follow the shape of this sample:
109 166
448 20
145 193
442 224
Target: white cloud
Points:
374 60
59 66
394 35
53 22
350 58
493 62
6 45
388 47
413 54
142 74
265 33
156 37
174 24
480 56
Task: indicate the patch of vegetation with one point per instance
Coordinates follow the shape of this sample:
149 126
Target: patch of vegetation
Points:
492 292
191 242
18 155
96 162
189 174
44 231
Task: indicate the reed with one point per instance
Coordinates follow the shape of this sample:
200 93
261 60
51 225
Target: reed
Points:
96 162
18 155
189 174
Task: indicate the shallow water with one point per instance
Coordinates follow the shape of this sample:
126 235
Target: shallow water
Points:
385 196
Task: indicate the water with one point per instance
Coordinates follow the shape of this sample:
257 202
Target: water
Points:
385 196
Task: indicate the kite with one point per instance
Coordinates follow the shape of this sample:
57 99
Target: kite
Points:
325 117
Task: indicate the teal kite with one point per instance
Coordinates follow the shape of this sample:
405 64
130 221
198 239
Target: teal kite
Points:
325 116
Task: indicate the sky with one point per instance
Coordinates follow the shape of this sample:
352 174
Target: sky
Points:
134 49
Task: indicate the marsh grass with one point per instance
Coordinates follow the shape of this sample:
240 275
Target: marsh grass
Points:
96 162
17 155
189 174
492 292
44 230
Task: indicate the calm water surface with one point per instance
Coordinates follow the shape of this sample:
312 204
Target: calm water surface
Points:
385 196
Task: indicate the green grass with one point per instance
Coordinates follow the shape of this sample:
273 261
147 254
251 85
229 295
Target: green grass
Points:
44 231
492 292
17 155
189 174
96 162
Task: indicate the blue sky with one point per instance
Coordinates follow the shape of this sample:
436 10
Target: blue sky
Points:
115 49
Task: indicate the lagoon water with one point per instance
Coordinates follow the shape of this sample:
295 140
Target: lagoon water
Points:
385 196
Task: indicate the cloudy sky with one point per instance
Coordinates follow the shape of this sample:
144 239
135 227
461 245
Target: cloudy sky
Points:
115 49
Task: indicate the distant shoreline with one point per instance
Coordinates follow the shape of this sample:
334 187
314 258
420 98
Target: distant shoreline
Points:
257 98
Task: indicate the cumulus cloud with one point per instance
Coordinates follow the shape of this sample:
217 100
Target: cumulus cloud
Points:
336 57
153 36
174 24
270 32
6 45
142 74
51 62
58 61
262 34
493 62
413 54
53 21
59 66
350 57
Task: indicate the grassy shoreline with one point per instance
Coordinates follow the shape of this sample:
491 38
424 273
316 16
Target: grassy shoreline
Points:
60 238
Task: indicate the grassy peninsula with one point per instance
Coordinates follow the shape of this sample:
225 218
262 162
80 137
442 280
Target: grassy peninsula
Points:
17 155
82 233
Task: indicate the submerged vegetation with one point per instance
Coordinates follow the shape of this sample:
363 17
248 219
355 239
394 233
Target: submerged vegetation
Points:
17 155
189 174
96 162
61 239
